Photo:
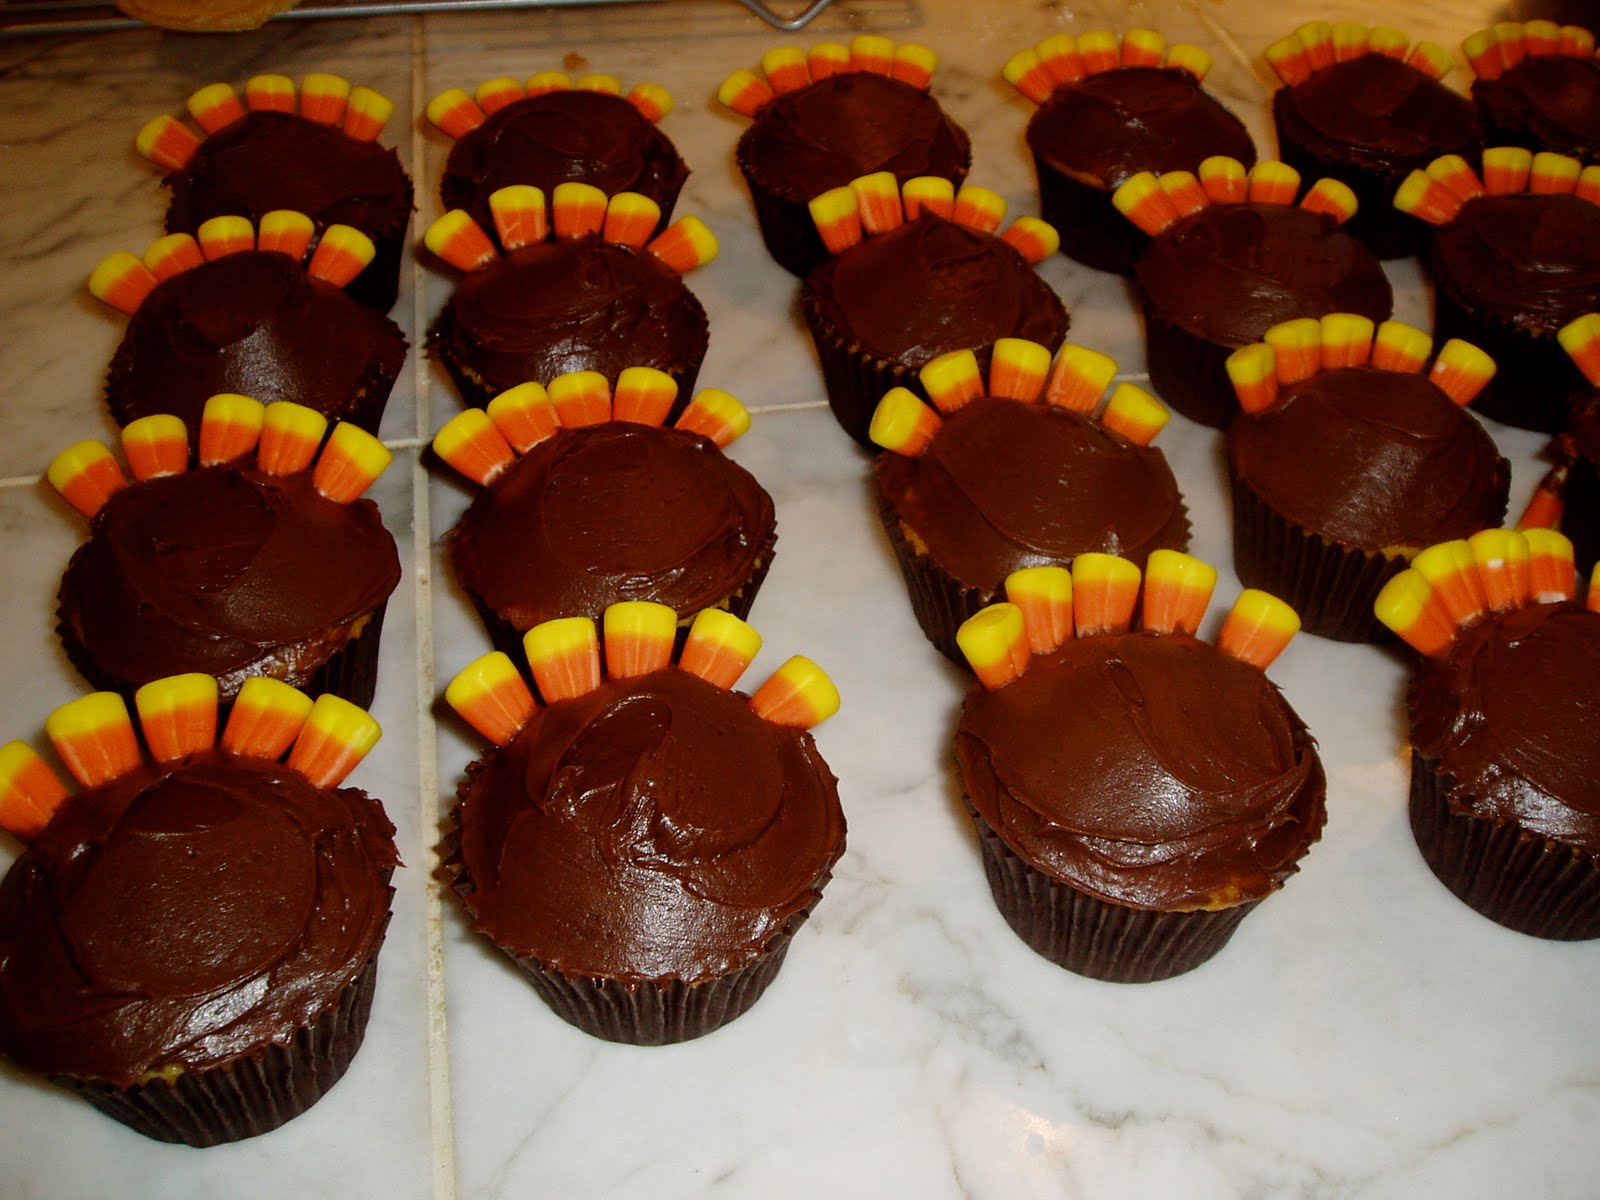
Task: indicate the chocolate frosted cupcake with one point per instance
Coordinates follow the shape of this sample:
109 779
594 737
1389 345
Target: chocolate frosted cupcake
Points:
1136 794
918 275
257 562
1505 787
1515 257
592 287
1346 461
588 500
1108 109
550 132
191 942
1568 497
233 311
315 153
823 117
981 485
1537 86
1357 106
1230 256
645 906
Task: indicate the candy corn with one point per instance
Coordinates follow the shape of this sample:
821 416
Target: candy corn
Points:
1105 590
952 380
629 221
1552 575
178 715
122 281
1405 605
1258 628
719 647
978 208
284 231
564 655
456 239
716 415
337 735
577 209
638 638
471 442
1501 559
1580 338
349 463
30 793
799 693
877 198
1044 597
580 398
903 423
173 255
93 736
1400 347
168 143
1079 378
1298 347
455 112
1346 340
643 395
221 236
323 98
156 445
1135 414
1177 589
1017 369
290 435
525 417
86 475
995 644
366 114
928 193
684 245
230 426
519 216
837 215
491 696
266 717
269 93
1253 370
1461 371
1451 571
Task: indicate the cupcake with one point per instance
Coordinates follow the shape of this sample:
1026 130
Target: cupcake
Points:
316 153
644 905
1358 107
190 943
551 132
1537 86
1346 460
1136 792
823 117
915 277
258 561
1568 497
587 499
233 310
1108 110
981 485
1502 710
591 288
1231 255
1515 256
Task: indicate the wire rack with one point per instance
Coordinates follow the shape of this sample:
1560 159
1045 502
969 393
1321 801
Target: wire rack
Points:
36 18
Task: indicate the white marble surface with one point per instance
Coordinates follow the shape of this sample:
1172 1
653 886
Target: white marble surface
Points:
1364 1035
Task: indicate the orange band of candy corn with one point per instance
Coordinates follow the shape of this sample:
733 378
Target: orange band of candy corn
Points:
491 696
719 647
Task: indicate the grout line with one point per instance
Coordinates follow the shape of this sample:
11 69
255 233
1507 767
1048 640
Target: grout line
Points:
441 1112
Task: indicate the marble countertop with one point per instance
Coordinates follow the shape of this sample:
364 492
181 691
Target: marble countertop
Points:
1364 1035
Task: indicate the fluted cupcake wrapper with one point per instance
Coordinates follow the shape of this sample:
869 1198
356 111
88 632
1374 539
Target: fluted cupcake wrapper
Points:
252 1095
787 228
1189 373
1093 937
940 601
378 284
1533 375
1331 586
1516 879
1091 229
854 379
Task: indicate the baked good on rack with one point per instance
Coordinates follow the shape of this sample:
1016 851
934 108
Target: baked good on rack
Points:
824 116
1366 107
1231 255
1137 792
1537 86
918 271
1515 257
644 844
191 941
313 150
1026 472
1345 460
1502 707
260 560
550 131
1109 108
232 309
588 499
589 287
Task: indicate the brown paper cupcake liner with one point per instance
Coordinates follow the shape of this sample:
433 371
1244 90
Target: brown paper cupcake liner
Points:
1188 372
940 601
252 1095
787 228
1331 586
1091 229
854 379
1580 515
1533 375
1520 880
1094 937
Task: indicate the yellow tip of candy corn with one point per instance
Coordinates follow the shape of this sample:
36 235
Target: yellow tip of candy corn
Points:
715 414
799 693
178 715
903 423
337 735
638 637
1258 628
491 696
610 85
266 717
564 655
542 82
93 735
349 464
995 644
719 647
30 793
1043 594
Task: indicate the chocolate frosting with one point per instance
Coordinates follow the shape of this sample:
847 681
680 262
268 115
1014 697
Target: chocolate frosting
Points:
1107 127
188 914
227 571
1532 262
272 160
1006 485
1375 111
573 304
1509 712
1551 101
653 829
1230 272
1149 770
1374 459
609 512
253 323
933 286
826 134
560 136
